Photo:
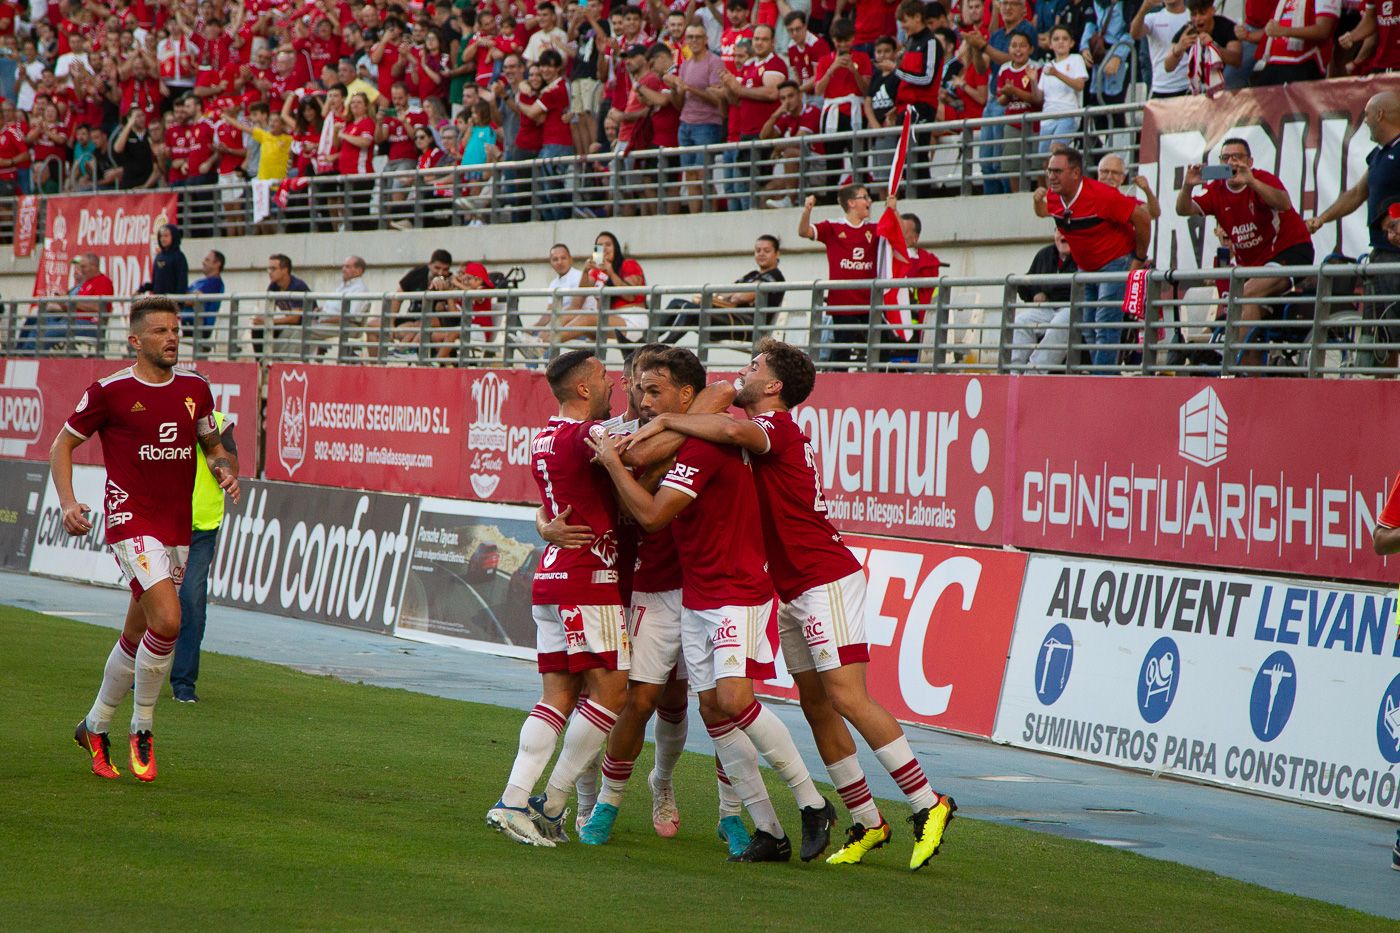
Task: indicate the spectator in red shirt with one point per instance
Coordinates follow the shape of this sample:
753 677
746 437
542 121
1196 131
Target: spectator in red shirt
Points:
842 79
61 323
1017 82
609 267
1376 39
396 127
355 159
754 90
556 139
851 244
428 67
793 118
805 51
1107 232
1258 217
384 55
229 146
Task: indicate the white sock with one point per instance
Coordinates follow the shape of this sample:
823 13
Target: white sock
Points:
671 728
538 736
729 802
616 773
586 787
740 761
583 739
775 744
116 684
898 759
153 661
849 780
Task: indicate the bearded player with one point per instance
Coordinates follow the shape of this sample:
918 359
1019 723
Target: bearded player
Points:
821 620
581 630
653 569
150 415
726 615
658 678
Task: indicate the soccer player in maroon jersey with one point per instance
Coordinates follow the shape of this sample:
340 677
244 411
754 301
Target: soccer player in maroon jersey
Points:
580 623
726 616
821 619
658 681
150 416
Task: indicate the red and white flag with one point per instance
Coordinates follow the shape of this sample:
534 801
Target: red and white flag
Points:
892 261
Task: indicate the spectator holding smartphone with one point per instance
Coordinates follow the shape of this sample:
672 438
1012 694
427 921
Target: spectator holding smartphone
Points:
1205 47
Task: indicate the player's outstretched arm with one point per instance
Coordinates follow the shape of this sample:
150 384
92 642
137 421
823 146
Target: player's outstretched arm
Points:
656 447
75 513
559 532
718 428
1385 540
651 512
222 463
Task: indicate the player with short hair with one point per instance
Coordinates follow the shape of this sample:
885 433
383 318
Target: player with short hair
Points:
659 680
821 617
726 617
581 627
150 416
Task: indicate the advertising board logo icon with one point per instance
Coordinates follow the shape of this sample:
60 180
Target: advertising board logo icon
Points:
1203 429
291 427
1271 700
1388 722
487 432
1158 679
1053 663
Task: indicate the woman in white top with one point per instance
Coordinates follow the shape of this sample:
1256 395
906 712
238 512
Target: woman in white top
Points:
1061 90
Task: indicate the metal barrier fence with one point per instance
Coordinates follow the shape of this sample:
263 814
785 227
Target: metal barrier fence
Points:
950 158
1337 320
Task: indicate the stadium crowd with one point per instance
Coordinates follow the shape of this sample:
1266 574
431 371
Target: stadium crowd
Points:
125 94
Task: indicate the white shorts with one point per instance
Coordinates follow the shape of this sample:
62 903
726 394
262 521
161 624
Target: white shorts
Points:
144 562
732 641
230 187
824 628
571 639
654 632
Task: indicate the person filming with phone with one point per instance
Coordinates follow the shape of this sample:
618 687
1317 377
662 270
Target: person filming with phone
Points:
1259 219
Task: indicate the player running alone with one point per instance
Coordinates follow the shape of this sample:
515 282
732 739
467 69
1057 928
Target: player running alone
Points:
821 618
150 417
726 615
659 679
581 630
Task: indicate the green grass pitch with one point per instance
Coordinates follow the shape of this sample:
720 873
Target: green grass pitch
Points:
291 801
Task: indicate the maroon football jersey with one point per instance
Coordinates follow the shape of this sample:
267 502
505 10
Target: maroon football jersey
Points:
804 550
563 467
150 433
658 564
717 536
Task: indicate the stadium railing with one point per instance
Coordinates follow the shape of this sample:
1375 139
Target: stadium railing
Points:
947 158
1324 326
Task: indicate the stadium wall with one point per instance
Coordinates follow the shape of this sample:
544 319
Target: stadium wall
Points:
1271 685
982 236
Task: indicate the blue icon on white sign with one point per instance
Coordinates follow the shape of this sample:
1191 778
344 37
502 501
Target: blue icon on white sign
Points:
1388 722
1271 700
1053 663
1161 670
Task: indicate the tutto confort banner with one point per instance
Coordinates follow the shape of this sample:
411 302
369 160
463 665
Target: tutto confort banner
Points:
1269 685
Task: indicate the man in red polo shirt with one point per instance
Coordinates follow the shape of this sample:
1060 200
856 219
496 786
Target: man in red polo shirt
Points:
1259 219
851 244
1107 232
62 322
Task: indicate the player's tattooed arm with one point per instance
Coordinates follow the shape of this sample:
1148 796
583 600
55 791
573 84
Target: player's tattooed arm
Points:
656 446
75 513
559 532
652 512
222 463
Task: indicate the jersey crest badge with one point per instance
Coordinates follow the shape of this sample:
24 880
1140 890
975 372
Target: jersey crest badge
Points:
189 406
